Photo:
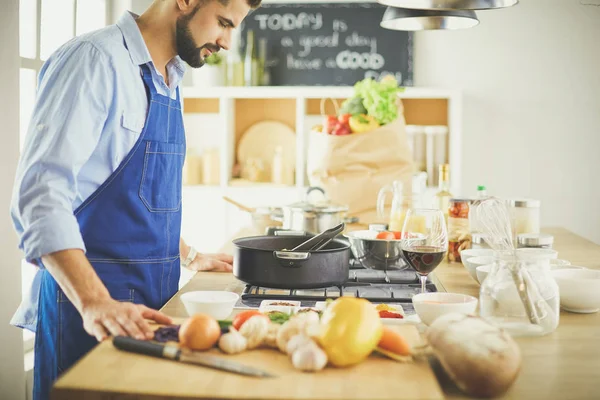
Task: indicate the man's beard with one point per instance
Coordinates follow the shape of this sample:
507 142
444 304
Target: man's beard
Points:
186 45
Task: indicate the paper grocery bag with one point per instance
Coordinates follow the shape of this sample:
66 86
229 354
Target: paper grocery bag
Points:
353 168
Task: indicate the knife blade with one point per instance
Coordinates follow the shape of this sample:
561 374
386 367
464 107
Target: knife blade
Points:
186 356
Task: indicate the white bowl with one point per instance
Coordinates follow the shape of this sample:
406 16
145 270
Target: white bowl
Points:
217 304
430 306
482 272
579 289
472 263
469 253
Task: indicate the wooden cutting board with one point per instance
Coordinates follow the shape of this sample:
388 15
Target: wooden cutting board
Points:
141 377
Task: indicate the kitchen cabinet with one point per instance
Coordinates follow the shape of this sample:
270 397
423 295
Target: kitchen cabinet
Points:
217 117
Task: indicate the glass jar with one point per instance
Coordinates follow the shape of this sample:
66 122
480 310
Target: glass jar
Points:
525 216
535 240
459 232
478 242
533 311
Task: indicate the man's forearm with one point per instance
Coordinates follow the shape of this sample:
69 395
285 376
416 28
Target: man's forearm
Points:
76 277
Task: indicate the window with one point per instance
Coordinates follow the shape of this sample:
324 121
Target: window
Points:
44 25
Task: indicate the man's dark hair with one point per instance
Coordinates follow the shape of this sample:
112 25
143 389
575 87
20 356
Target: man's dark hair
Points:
254 4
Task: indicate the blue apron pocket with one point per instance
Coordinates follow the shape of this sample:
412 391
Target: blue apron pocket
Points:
160 189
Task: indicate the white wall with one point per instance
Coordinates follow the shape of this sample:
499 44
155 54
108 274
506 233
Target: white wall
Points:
12 376
531 124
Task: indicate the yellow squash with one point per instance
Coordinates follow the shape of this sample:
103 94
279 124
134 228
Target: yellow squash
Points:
351 329
362 123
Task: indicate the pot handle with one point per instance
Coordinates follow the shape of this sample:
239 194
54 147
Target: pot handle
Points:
291 258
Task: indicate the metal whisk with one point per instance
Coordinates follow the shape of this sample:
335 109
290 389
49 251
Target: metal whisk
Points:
491 218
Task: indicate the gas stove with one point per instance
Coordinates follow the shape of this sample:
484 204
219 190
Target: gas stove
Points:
392 287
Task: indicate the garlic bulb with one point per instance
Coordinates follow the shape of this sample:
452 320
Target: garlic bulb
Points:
255 330
309 357
296 342
232 342
302 323
271 338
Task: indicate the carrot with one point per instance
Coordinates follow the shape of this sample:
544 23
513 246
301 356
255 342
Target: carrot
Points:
393 342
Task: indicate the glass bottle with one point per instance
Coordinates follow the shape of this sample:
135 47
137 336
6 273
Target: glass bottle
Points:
263 76
235 65
442 197
481 192
250 61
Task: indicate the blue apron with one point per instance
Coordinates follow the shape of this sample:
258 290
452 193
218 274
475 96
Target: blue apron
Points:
131 228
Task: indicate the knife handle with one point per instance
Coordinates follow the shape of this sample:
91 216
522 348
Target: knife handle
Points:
141 347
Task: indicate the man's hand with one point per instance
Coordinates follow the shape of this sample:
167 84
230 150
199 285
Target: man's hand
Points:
111 317
212 262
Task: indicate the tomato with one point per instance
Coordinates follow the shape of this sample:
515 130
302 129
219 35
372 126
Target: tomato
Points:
397 235
344 118
331 122
341 130
385 235
244 316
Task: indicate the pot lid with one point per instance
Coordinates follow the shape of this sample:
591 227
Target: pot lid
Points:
322 206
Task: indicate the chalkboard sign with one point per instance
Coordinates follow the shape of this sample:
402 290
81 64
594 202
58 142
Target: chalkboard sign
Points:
330 44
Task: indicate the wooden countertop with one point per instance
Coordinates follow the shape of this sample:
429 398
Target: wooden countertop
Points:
562 365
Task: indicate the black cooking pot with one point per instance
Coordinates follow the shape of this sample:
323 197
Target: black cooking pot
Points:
262 261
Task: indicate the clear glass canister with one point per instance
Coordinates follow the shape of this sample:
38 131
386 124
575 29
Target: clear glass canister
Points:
525 216
478 241
520 296
535 240
459 232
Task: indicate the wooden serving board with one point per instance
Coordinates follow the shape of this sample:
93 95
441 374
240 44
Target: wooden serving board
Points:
110 373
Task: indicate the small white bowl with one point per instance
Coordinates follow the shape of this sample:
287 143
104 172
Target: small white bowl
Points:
217 304
482 272
284 306
579 289
472 263
430 306
470 253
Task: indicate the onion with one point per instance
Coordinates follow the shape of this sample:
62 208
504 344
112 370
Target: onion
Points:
199 332
481 359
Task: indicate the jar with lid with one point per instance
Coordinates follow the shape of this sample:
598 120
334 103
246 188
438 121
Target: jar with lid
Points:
535 240
520 295
459 233
525 216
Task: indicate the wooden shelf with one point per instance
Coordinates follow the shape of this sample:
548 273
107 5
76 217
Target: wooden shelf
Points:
306 92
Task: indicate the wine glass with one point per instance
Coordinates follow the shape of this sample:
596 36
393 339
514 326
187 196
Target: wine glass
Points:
425 241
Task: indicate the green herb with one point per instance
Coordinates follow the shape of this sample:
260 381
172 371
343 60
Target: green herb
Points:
278 317
224 325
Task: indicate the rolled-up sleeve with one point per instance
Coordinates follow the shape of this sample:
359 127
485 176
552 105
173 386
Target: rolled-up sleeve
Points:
72 104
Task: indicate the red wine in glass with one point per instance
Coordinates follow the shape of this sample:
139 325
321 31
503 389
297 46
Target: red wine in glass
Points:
424 259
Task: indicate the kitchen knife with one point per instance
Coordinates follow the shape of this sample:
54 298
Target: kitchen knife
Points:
185 356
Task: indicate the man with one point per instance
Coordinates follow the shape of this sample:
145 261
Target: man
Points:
97 197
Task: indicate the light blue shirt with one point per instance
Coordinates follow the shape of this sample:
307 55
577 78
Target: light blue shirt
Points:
90 109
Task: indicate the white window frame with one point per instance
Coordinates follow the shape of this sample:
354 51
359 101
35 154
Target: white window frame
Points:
36 64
